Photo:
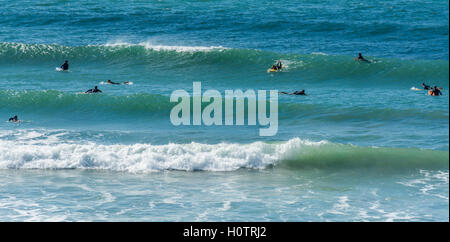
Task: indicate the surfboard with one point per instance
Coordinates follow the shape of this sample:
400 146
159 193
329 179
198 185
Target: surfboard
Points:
421 89
15 122
272 70
60 69
417 89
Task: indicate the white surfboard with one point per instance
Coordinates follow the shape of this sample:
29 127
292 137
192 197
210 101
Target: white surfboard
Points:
60 69
417 89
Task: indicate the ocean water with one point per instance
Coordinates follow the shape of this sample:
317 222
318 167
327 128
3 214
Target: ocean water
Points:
362 146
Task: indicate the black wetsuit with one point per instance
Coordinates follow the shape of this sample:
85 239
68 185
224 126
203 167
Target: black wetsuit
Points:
295 93
65 66
13 119
299 93
360 58
437 92
93 90
426 87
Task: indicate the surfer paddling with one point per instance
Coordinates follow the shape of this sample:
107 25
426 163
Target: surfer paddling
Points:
14 119
425 86
361 58
109 82
432 91
112 83
93 90
300 93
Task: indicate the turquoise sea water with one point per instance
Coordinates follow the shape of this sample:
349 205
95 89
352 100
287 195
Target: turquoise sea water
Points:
362 146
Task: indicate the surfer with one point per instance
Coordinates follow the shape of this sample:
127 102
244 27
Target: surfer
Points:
435 91
113 83
93 90
426 87
118 83
301 93
14 119
361 58
279 65
65 66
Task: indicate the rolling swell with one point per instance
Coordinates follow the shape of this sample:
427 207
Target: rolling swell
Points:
318 66
61 102
159 106
333 156
294 154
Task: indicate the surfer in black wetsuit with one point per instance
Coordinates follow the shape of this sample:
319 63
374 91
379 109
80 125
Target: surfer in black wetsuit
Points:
93 90
361 58
279 65
435 91
113 83
426 87
14 119
65 66
301 93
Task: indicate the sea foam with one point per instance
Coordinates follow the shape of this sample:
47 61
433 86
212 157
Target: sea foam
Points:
296 153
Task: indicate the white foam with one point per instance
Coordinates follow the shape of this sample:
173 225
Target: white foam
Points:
145 157
319 53
429 183
178 48
341 206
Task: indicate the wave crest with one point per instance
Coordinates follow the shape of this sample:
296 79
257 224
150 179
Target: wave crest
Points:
310 66
293 154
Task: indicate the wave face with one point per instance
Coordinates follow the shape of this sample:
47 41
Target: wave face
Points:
159 106
316 66
52 101
294 154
